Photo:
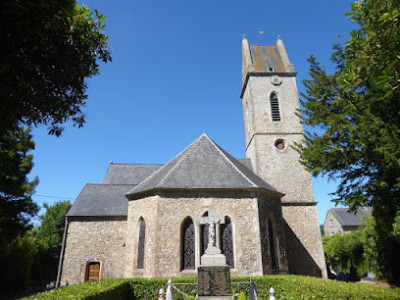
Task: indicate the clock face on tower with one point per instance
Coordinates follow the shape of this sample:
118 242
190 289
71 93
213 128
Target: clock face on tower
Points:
276 80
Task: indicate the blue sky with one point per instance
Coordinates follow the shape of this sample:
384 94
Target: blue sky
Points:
176 73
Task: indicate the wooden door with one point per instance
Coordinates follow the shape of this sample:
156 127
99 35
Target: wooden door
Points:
93 271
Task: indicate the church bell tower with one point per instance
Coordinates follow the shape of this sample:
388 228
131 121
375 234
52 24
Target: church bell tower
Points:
270 103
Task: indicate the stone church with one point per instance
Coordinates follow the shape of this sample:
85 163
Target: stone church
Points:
144 219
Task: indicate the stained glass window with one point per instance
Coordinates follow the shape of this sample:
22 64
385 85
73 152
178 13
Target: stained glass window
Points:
188 245
203 236
227 242
142 238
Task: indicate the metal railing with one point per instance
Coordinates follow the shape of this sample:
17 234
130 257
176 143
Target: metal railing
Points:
169 293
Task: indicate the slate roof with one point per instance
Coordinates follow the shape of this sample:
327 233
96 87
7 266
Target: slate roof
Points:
347 218
129 173
136 173
202 165
266 57
101 200
246 162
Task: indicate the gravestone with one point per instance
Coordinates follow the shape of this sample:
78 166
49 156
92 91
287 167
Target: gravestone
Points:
214 280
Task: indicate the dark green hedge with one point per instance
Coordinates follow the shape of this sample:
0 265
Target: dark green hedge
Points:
303 287
286 287
110 289
143 288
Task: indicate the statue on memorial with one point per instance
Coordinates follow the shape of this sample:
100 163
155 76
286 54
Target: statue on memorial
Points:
211 221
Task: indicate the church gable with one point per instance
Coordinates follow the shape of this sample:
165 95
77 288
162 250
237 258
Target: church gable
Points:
202 165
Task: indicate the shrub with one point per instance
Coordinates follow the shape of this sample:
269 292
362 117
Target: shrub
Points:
286 287
143 288
94 290
303 287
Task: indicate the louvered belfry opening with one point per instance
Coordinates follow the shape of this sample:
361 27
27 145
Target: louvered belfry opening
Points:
276 117
142 239
227 242
188 245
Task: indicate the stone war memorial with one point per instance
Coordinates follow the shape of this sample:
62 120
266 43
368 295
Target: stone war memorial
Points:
205 210
213 274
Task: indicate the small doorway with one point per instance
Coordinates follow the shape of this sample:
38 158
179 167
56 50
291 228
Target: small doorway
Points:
93 271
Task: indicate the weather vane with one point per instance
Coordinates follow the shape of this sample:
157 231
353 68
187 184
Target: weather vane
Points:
261 36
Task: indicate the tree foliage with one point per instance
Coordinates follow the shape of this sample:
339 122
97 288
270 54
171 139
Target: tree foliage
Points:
49 49
16 261
343 252
358 109
17 246
16 205
49 237
51 229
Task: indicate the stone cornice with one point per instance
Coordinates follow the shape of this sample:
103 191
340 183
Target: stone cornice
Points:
264 74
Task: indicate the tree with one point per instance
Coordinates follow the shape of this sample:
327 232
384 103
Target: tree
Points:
49 49
49 237
51 229
16 208
358 109
344 252
16 204
16 261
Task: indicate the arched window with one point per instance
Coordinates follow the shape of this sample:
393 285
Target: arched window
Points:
273 246
188 245
276 117
142 239
227 242
203 236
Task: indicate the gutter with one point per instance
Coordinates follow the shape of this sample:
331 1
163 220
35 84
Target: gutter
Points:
61 261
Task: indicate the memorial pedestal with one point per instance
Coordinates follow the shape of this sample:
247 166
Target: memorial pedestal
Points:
214 278
214 282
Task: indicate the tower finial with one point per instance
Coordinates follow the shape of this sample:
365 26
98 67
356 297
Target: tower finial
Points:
244 36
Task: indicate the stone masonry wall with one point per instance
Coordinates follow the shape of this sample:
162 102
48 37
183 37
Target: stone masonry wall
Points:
332 225
163 258
282 169
94 240
270 210
145 208
303 237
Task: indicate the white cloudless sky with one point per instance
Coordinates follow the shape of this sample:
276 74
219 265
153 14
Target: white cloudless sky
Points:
176 73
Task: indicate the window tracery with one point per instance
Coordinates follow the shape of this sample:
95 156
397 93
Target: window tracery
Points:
188 245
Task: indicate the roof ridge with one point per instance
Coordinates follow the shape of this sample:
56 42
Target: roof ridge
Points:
160 169
231 163
189 149
138 164
110 184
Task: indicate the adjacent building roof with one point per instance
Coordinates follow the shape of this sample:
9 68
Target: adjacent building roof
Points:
266 59
129 173
101 200
346 218
202 165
